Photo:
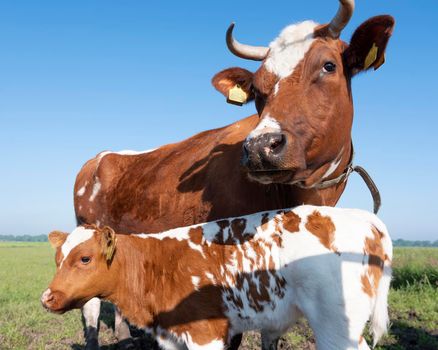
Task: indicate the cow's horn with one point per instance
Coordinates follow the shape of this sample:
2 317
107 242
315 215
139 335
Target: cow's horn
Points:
255 53
345 11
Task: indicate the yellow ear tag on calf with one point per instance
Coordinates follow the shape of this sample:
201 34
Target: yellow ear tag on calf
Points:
237 96
371 57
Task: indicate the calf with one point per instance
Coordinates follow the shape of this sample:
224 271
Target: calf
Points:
198 286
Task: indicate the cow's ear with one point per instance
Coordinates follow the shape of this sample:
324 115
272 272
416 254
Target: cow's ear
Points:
57 238
235 84
108 243
368 44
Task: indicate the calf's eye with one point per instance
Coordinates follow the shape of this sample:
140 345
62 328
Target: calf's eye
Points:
329 67
85 260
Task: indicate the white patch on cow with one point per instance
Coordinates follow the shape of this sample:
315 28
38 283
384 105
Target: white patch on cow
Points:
122 153
195 282
267 124
289 48
96 188
81 191
276 88
128 152
91 311
333 165
79 235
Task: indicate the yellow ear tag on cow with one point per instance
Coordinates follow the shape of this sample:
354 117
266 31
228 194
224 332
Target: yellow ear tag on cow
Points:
380 62
371 57
237 96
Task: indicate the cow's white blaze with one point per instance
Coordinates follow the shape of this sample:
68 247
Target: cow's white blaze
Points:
267 124
79 235
290 48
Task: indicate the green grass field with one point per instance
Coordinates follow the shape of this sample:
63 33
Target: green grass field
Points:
27 268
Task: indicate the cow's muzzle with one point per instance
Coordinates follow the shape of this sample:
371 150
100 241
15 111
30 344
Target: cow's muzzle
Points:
264 152
273 158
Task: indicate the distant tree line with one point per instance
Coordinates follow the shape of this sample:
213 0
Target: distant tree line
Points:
43 238
23 238
405 243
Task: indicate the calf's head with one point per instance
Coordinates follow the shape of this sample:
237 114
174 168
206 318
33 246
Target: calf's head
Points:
83 260
303 96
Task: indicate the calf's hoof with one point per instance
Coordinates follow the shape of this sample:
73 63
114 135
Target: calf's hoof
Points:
126 344
92 344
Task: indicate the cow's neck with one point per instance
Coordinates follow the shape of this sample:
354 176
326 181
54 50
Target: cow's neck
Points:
311 194
341 163
139 267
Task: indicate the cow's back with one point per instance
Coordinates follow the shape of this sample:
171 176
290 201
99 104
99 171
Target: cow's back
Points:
193 181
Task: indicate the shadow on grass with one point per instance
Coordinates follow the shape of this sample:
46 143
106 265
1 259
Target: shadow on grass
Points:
140 338
412 338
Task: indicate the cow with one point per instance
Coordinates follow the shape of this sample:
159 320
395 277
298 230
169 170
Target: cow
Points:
297 148
198 286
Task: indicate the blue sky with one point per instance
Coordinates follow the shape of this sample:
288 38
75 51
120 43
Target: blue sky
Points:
80 77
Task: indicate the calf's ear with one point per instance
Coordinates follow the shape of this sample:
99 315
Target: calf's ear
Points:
368 44
108 243
235 84
57 238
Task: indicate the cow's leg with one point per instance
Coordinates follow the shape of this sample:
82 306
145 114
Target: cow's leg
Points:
270 340
90 312
122 333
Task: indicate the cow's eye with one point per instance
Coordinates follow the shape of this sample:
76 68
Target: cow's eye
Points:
85 260
329 67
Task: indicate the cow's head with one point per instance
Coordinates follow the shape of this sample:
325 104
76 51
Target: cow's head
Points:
82 260
302 95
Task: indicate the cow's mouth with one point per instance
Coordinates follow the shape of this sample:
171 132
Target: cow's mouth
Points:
279 176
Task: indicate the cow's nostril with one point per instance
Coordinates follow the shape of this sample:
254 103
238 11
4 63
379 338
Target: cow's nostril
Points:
277 142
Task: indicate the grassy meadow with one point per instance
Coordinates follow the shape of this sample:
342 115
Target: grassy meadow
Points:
26 269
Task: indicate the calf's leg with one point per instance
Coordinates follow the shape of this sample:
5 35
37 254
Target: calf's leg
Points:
90 313
270 340
235 342
121 330
363 344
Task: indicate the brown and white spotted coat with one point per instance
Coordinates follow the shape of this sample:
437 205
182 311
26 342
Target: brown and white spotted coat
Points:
195 287
300 137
